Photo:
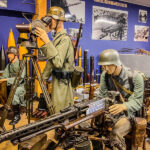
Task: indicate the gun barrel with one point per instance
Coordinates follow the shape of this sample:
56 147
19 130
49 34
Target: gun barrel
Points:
22 139
97 113
87 109
41 126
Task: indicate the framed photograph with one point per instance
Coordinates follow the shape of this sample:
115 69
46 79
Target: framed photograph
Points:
3 3
142 16
74 10
109 24
141 33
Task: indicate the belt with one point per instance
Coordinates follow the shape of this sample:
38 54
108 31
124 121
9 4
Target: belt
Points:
62 74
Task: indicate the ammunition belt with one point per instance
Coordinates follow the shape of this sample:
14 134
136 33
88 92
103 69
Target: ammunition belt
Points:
62 74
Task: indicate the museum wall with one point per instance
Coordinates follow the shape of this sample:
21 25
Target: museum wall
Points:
12 15
94 47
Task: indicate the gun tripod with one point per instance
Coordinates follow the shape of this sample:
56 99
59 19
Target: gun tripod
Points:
36 67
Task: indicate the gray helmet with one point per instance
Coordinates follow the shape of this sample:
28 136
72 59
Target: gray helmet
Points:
57 13
12 50
109 57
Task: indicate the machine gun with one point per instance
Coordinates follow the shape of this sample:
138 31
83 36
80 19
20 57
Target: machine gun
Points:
66 119
69 123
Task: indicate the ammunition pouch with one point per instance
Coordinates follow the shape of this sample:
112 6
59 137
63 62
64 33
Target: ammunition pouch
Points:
76 76
62 74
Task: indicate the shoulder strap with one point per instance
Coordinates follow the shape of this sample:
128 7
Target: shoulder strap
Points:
115 83
123 88
59 37
9 70
130 80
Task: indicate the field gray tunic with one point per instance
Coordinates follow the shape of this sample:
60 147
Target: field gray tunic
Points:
9 74
60 55
134 102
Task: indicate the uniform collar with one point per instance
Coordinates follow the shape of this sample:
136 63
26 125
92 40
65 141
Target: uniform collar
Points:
59 33
122 74
16 62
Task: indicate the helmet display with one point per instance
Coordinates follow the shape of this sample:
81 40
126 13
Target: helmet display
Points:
57 13
109 57
12 50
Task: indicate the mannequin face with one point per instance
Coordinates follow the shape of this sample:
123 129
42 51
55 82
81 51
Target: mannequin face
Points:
53 24
50 27
11 56
110 69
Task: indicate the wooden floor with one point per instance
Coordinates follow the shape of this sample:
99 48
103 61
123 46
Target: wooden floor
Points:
9 146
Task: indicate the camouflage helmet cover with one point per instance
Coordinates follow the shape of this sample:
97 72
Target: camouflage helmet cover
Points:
12 50
109 57
57 13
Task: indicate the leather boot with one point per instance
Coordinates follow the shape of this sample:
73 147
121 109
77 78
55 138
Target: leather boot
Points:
16 115
42 103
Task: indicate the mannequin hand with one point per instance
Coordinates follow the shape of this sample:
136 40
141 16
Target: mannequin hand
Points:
42 35
117 108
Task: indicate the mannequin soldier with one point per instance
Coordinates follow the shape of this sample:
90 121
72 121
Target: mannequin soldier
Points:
9 77
60 56
113 70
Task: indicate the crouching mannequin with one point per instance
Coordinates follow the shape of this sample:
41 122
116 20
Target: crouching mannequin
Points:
115 77
9 77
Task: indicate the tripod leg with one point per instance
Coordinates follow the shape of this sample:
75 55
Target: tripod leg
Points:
12 92
29 113
28 87
43 87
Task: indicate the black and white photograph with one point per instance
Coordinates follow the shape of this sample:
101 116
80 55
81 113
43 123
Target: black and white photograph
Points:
3 3
142 16
72 8
109 24
141 33
73 33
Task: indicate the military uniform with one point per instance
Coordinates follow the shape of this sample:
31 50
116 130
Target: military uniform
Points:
10 73
133 102
60 55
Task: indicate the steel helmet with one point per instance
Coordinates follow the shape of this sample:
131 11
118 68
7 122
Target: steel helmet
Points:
109 57
57 13
12 50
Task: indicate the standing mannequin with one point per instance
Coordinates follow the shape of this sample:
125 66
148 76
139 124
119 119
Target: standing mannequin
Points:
60 56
